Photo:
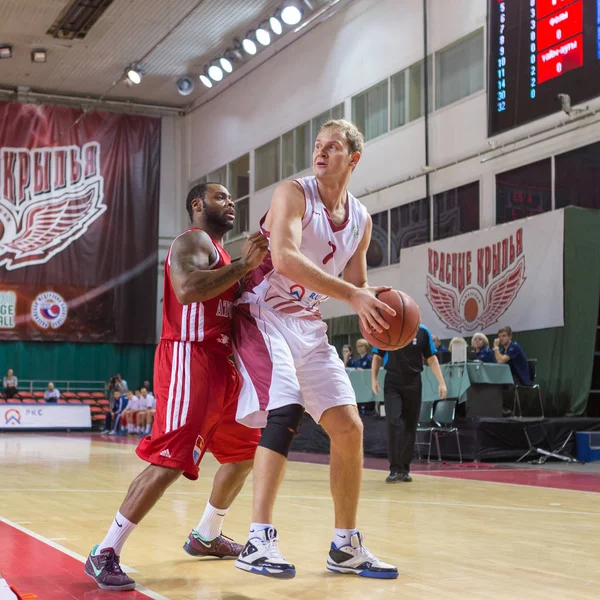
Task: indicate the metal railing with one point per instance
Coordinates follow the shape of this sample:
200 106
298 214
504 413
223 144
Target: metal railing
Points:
63 385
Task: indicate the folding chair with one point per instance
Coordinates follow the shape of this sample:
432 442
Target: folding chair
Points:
425 424
532 364
443 418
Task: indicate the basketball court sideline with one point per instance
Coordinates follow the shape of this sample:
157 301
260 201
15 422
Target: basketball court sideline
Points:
454 533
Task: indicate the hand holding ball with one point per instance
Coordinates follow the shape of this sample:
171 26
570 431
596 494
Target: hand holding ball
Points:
402 328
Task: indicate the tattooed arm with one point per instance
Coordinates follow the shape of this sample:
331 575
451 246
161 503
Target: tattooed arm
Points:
191 256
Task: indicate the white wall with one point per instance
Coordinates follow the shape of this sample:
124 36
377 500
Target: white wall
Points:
172 217
361 45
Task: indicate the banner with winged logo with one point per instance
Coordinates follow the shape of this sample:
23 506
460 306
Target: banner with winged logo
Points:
510 274
78 224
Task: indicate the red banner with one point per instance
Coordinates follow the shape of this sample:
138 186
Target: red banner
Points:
78 224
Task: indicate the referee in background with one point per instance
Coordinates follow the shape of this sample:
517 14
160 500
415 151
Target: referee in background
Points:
402 397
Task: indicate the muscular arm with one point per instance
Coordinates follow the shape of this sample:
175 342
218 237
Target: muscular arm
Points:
287 210
375 366
434 364
501 358
191 256
356 269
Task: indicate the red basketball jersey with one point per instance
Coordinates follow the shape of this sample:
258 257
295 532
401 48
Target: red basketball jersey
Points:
200 321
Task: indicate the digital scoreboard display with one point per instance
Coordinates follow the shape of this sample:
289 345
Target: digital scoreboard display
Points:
537 50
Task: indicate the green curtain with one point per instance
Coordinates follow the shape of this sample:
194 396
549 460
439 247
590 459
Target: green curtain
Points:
565 355
74 361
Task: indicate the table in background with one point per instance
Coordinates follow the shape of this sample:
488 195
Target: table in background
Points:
480 385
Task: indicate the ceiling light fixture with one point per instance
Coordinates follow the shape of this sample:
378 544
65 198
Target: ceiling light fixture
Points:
38 55
249 45
215 72
185 86
206 80
291 13
275 24
6 51
134 73
263 36
226 64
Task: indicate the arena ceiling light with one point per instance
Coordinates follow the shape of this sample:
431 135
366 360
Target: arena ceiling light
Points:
38 55
215 72
291 13
276 26
185 86
263 36
205 79
249 45
134 74
6 51
226 64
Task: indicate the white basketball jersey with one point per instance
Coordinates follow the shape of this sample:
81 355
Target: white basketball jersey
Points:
326 245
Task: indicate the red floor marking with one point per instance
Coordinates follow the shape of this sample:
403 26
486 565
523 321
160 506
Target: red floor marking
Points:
33 567
564 480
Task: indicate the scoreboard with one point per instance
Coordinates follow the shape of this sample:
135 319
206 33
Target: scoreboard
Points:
538 49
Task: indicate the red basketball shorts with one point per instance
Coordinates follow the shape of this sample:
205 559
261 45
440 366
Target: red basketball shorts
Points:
196 389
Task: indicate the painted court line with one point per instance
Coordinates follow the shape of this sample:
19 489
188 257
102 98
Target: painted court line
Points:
78 557
326 498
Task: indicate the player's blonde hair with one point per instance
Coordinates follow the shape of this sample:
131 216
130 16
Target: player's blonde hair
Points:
482 337
355 139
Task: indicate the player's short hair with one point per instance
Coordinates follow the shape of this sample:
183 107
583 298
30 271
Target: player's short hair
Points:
355 139
197 192
506 329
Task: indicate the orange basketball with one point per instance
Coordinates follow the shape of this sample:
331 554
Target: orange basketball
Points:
403 327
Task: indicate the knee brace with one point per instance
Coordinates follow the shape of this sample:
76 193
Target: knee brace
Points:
283 425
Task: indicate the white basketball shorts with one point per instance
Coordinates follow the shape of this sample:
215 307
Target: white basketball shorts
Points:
285 360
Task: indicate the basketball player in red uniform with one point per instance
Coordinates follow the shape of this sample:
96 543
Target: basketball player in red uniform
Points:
195 384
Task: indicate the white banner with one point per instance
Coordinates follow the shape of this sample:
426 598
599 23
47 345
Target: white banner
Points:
510 274
44 416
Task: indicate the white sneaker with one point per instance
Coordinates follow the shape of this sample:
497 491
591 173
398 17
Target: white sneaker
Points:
261 555
356 558
5 592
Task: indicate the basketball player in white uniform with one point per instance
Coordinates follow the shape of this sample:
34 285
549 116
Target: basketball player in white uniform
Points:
317 231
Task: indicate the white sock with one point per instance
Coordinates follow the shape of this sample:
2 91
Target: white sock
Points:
117 535
148 428
211 523
254 527
341 537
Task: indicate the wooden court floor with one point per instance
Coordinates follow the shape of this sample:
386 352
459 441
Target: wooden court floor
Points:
451 538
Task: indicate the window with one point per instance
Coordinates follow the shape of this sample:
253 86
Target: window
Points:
409 226
456 211
459 69
242 219
239 177
524 192
337 112
577 177
416 86
370 111
267 165
239 188
399 104
218 176
297 150
377 253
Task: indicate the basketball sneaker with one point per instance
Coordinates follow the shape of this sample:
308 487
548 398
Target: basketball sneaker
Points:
261 555
106 571
221 546
356 558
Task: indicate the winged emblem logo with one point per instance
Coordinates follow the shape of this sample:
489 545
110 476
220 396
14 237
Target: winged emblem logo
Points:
35 226
471 310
